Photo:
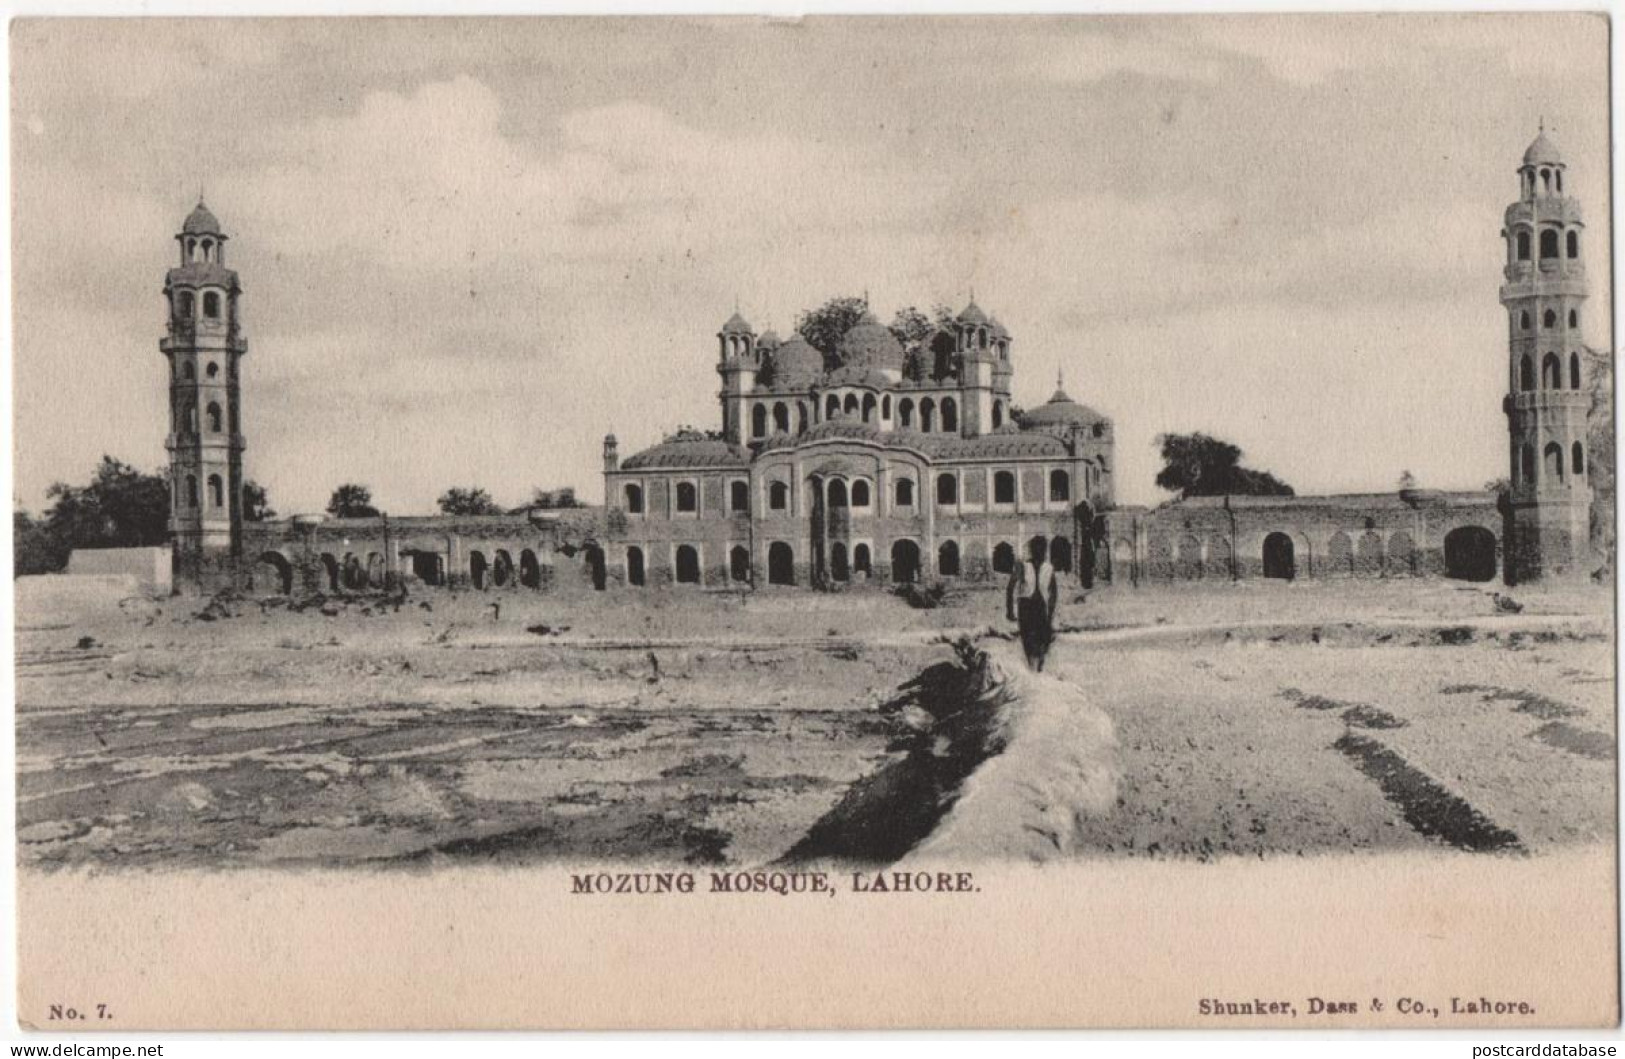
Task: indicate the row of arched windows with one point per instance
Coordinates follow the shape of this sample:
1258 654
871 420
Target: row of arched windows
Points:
1005 486
189 373
847 493
186 305
1548 319
1548 181
1551 464
1551 372
204 249
189 495
931 415
187 423
1553 241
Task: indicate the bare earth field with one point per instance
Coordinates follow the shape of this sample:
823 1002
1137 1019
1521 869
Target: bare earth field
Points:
1257 719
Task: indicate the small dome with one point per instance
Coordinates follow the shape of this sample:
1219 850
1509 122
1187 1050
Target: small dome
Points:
972 314
200 221
1061 411
736 325
769 339
870 344
689 448
796 365
1542 152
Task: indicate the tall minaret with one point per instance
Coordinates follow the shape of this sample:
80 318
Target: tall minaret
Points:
205 440
1547 401
738 364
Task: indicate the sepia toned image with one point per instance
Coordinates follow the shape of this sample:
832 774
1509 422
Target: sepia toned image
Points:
704 522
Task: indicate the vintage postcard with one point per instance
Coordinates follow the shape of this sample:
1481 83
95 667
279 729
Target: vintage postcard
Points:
825 522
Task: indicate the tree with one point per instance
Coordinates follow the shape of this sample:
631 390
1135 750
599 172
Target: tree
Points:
121 507
34 549
825 326
351 501
256 503
1200 465
555 499
471 501
914 331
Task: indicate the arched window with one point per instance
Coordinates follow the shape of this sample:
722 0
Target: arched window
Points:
688 565
634 567
1574 371
998 414
1528 461
781 418
905 413
212 370
1524 319
778 496
191 490
208 249
211 305
947 489
1060 485
634 498
832 407
1523 246
758 421
1546 180
739 497
860 493
837 493
928 415
885 407
1526 373
688 498
850 407
1574 318
213 412
1004 487
1548 244
948 559
1549 319
217 491
188 373
1551 372
839 568
869 406
1553 468
1004 558
950 416
905 492
1559 175
1574 243
781 568
801 417
184 305
860 560
1578 463
739 564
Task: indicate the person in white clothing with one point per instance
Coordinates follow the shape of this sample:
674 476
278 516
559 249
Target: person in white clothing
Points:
1030 602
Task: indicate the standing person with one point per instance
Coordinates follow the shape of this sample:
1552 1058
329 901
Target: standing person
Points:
1030 602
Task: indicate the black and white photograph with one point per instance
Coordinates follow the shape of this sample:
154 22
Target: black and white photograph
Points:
988 488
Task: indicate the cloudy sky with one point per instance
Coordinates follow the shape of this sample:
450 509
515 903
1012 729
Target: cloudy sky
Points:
470 248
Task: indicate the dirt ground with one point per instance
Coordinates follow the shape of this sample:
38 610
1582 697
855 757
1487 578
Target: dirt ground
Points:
1251 719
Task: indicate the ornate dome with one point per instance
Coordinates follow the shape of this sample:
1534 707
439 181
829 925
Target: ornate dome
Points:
870 344
736 325
689 448
769 339
796 365
1061 411
200 221
972 314
1542 152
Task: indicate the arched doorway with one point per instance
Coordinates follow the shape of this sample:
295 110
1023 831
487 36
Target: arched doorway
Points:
1280 558
595 567
838 568
502 569
781 564
274 575
355 575
477 569
739 564
860 560
634 567
530 571
426 567
688 565
1469 554
905 561
948 559
1004 558
330 572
